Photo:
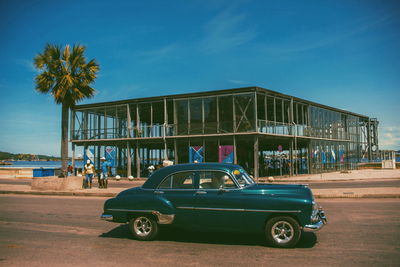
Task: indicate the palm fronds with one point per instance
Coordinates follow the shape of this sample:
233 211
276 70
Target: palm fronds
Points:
65 74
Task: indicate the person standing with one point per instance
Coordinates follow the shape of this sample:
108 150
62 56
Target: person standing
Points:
105 168
70 170
89 171
150 169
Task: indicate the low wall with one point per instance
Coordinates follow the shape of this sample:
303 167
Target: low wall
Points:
12 172
58 184
376 165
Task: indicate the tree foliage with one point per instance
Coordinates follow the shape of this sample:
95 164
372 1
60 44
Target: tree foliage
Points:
65 74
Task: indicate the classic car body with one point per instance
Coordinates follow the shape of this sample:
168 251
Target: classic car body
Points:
216 197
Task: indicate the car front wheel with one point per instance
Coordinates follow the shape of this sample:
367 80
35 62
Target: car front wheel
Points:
283 232
143 228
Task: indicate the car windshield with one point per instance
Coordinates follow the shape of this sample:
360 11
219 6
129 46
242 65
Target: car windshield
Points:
243 177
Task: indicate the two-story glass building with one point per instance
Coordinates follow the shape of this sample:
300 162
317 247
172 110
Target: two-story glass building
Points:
266 132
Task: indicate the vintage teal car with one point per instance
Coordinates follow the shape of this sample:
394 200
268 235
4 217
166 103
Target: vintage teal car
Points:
216 197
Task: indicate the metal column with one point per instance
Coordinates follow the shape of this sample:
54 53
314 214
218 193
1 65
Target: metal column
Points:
256 167
176 152
234 150
129 160
137 160
165 129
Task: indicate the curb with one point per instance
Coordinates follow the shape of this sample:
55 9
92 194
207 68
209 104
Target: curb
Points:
51 193
328 180
359 196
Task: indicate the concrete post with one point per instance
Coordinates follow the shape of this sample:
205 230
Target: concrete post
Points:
256 165
137 160
129 160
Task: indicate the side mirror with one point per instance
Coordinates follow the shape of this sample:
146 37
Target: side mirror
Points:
222 189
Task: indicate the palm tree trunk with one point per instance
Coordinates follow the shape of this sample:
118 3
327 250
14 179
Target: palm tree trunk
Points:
64 140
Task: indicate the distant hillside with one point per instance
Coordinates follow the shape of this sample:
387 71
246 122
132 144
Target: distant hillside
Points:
5 155
10 156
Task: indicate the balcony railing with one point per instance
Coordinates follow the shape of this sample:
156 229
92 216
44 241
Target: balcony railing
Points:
279 128
165 130
272 127
105 133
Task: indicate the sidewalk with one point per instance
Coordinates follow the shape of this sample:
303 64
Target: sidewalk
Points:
365 174
118 186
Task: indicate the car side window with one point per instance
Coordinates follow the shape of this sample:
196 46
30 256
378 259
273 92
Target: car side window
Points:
215 180
180 180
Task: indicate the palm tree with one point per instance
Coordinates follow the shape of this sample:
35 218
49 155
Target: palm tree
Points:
67 76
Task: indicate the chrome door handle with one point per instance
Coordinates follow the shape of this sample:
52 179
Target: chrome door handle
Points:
201 192
158 192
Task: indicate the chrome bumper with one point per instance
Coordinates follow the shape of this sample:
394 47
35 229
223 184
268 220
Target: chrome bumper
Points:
107 217
317 225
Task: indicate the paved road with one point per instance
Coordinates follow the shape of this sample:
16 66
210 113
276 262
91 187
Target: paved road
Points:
46 231
314 185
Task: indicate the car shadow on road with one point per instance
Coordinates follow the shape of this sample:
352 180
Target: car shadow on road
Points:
308 240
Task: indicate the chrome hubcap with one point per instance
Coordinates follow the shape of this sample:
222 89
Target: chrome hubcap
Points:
142 226
282 232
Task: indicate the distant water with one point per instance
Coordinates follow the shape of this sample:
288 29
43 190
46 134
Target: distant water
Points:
40 164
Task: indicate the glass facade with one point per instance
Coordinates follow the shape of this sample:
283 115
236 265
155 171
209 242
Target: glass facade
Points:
272 134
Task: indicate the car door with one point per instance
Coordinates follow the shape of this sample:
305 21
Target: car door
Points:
218 202
178 189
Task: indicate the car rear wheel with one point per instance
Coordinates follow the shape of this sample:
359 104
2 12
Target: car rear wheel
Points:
143 228
283 232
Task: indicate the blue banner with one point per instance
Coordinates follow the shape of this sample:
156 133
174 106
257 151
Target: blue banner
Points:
333 156
111 156
226 154
323 156
196 154
88 154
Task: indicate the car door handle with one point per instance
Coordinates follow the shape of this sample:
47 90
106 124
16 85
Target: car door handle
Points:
201 192
158 192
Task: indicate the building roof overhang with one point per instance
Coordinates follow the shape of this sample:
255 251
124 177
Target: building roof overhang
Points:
215 93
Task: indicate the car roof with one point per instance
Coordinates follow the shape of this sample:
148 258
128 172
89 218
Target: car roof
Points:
156 178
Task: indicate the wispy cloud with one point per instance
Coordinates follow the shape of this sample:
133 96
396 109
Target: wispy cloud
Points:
225 31
239 82
389 137
159 53
312 40
125 91
27 64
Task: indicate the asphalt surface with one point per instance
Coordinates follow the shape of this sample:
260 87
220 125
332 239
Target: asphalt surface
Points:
65 231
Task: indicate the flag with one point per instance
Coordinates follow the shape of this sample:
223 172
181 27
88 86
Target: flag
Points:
323 157
226 154
88 155
111 156
333 156
196 154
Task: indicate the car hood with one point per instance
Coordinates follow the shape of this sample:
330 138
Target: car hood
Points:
287 190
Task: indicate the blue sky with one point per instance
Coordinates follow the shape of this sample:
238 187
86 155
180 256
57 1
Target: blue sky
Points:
339 53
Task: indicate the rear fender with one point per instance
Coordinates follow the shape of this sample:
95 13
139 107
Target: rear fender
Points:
132 206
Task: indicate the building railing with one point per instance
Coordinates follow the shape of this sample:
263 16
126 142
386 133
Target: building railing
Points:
149 131
167 130
272 127
279 128
105 133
